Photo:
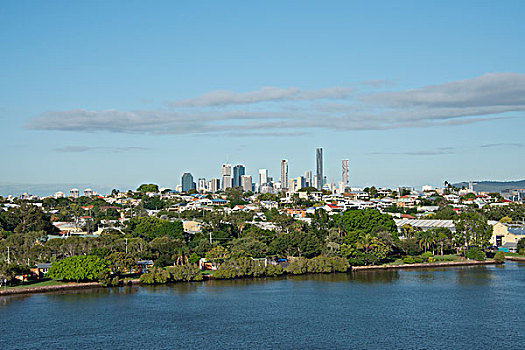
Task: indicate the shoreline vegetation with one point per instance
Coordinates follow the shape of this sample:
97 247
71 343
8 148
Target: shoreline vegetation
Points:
161 237
299 269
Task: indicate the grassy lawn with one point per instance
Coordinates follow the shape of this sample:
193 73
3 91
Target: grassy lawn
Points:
515 254
37 284
439 258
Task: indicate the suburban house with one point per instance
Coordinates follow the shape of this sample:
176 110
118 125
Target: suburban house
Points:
506 236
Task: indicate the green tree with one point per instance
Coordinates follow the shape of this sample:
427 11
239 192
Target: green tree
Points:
78 268
472 229
151 227
148 188
367 220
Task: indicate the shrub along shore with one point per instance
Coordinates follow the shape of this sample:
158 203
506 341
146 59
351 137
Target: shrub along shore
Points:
247 268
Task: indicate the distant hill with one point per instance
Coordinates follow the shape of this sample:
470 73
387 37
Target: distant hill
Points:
493 186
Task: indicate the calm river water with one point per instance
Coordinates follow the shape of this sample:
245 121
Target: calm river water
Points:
480 307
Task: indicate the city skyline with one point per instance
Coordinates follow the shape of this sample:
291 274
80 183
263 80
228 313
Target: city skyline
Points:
114 94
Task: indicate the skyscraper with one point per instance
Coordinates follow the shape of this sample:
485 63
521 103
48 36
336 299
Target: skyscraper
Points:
201 185
345 169
246 182
215 185
263 176
187 182
319 168
226 176
284 174
308 179
238 172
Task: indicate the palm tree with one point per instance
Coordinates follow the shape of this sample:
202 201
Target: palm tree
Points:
427 240
367 242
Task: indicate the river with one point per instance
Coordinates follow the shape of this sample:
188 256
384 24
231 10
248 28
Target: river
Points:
477 307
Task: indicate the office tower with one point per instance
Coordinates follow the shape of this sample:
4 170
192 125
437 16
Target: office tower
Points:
284 174
319 168
187 182
308 179
292 185
74 192
215 185
246 183
201 185
263 176
226 176
345 170
88 192
238 172
300 182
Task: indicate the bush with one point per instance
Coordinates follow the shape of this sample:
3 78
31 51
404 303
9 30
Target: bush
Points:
274 270
427 255
408 260
184 273
499 257
298 267
156 276
475 254
418 260
323 264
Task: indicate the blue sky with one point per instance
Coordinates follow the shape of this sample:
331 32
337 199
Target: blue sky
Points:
117 93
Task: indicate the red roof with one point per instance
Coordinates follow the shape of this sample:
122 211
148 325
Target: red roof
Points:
407 216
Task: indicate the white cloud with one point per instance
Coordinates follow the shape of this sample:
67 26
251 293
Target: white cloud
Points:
265 94
296 112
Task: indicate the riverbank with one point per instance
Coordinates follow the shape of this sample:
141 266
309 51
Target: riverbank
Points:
91 285
57 288
425 265
515 258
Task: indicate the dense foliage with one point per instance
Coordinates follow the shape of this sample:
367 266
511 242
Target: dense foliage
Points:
78 268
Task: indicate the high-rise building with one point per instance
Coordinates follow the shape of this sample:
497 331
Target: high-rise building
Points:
238 172
300 182
201 185
319 168
246 183
308 179
292 185
215 185
187 182
226 176
263 176
88 192
284 174
345 171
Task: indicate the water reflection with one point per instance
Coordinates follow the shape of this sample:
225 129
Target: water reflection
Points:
375 276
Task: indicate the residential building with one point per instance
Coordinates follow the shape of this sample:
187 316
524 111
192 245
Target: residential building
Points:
506 236
74 193
88 192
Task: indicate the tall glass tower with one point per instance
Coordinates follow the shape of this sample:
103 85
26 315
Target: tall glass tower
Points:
238 172
319 168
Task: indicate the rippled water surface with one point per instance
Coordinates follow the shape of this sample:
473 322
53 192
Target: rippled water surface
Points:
480 307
